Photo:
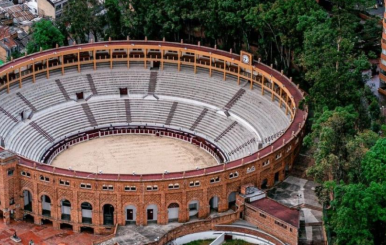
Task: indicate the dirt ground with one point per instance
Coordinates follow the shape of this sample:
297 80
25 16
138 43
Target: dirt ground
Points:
142 154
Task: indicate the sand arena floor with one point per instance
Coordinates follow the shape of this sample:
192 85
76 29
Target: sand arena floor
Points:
141 154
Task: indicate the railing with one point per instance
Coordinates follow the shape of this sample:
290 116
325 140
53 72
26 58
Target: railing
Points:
50 154
281 88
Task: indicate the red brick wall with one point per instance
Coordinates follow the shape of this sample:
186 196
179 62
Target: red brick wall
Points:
266 222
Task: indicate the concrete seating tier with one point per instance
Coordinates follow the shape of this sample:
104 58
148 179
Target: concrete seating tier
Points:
192 92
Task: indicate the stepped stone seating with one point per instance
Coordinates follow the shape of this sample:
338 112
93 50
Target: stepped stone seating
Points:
60 118
137 81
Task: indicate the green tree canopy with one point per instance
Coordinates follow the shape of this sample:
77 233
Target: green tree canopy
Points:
45 35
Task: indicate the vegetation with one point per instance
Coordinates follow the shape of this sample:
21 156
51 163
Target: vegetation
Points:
45 35
324 50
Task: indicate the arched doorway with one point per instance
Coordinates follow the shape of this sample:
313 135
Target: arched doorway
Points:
232 200
130 214
173 211
65 209
193 208
108 214
27 200
213 203
151 213
264 184
86 209
46 206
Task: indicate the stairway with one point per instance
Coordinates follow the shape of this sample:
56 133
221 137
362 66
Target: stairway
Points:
8 114
89 114
128 111
198 120
171 113
41 131
62 89
27 102
229 128
152 82
234 99
92 84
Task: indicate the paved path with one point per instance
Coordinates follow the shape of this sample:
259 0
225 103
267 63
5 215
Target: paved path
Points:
43 235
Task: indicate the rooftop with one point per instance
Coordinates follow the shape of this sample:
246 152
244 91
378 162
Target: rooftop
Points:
284 213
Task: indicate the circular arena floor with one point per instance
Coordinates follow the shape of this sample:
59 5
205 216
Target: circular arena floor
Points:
142 154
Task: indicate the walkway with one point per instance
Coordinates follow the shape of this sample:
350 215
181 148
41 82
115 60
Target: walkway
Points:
43 235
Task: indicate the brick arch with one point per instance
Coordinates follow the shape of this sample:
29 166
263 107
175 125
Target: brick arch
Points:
104 203
25 188
85 200
152 203
129 204
46 194
170 202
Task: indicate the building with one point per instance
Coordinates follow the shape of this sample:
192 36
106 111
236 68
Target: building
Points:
51 8
63 197
12 39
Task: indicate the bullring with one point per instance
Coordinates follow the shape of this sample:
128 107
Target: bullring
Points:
246 115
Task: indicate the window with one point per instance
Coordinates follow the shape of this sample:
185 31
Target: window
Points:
278 156
215 180
64 182
251 169
174 186
266 162
107 187
263 215
27 174
85 186
193 207
234 175
66 203
280 224
44 178
152 188
194 183
130 188
10 172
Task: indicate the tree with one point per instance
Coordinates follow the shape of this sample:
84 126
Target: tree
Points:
44 35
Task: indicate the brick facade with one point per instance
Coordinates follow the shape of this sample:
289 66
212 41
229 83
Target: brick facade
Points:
45 187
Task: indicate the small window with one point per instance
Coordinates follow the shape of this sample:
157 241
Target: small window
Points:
176 186
251 169
197 183
278 156
107 187
28 174
265 163
85 186
214 180
191 183
193 207
155 188
64 182
10 172
149 188
171 186
130 188
263 215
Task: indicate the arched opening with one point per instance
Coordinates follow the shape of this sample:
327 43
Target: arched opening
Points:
88 230
264 184
108 214
65 209
130 214
193 209
173 211
232 200
277 175
28 218
151 213
46 206
1 214
46 222
213 203
286 169
65 226
86 209
27 200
